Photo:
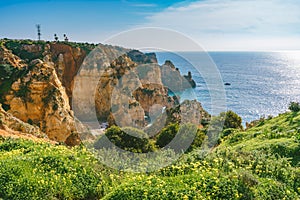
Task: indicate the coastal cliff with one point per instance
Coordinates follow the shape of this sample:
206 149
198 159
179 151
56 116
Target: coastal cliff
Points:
37 97
40 79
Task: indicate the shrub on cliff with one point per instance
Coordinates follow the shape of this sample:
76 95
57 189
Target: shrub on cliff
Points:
227 119
17 48
8 75
294 107
232 120
223 125
128 138
167 134
183 132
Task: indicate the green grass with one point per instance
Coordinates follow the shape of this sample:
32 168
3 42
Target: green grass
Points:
31 170
259 163
277 136
17 47
253 164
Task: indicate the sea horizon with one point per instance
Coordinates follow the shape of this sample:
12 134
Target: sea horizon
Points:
261 83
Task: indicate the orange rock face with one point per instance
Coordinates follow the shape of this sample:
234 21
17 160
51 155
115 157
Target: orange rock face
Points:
124 87
67 62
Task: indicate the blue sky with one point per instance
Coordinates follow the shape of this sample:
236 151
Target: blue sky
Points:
215 24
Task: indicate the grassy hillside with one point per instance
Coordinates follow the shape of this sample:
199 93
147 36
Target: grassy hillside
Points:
259 163
31 170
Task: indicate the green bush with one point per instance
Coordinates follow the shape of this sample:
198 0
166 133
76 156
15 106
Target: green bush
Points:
128 138
294 107
87 47
226 120
232 120
228 131
198 140
167 134
183 133
298 137
189 186
17 48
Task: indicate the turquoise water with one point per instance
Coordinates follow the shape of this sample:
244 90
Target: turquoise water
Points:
262 83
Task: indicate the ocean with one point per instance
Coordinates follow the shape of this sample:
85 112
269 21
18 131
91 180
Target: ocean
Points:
261 83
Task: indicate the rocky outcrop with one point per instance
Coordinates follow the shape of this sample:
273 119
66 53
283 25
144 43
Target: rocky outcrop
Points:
8 58
142 58
96 81
127 91
67 61
39 98
189 111
153 95
193 112
190 80
125 87
12 127
126 94
172 78
67 57
113 97
11 124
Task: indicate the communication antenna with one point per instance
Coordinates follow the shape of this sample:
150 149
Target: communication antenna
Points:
38 26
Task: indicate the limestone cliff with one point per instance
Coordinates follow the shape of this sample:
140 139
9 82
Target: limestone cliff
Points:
173 80
13 125
126 87
142 58
126 93
67 61
188 111
95 81
67 57
38 97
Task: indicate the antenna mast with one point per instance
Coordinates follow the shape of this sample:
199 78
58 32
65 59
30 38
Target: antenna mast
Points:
38 26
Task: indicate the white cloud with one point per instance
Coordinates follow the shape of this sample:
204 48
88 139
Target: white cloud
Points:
235 24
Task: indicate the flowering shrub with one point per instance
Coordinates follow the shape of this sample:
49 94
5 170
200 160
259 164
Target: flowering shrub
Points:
30 170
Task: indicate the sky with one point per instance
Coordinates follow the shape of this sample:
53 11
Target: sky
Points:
216 25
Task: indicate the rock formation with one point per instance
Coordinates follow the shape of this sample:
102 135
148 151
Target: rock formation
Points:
142 58
11 124
190 80
67 61
127 92
43 82
189 111
172 78
38 97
